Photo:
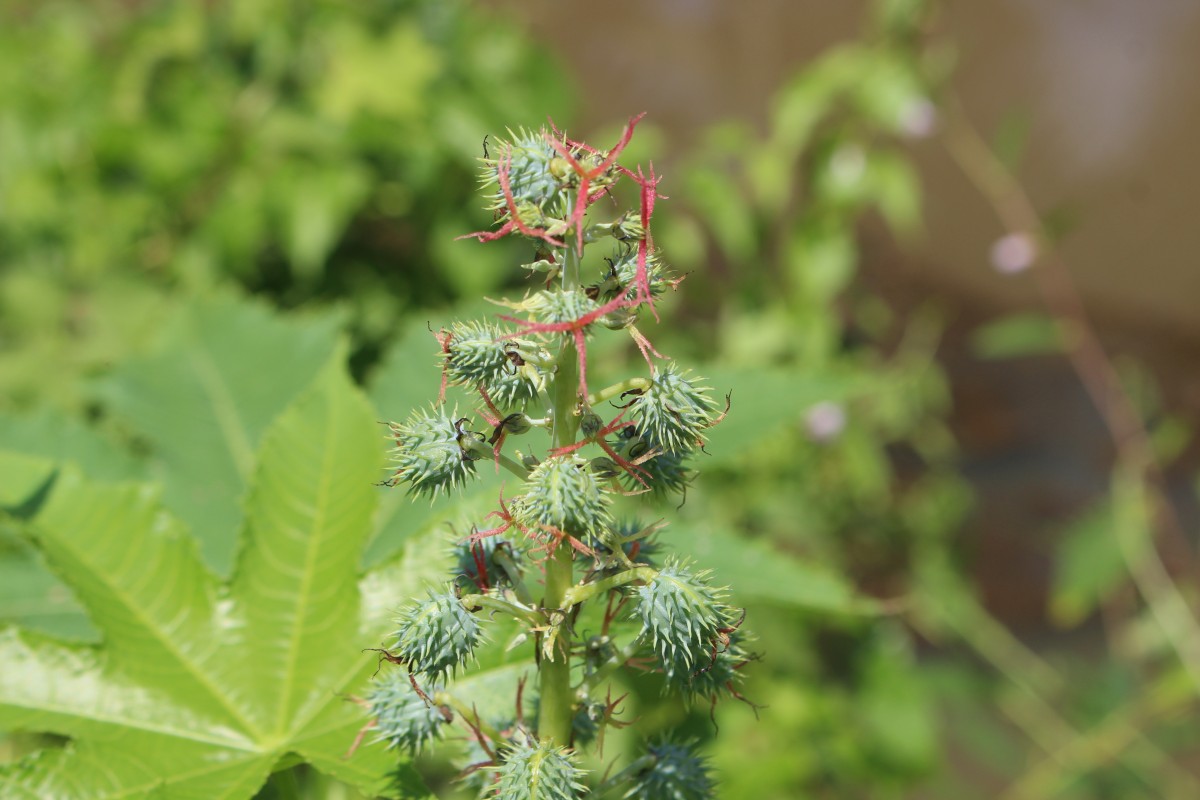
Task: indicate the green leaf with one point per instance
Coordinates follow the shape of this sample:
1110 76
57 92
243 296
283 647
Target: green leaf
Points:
1089 567
1018 335
897 191
725 212
762 402
54 435
318 204
756 572
204 402
821 260
201 686
350 85
29 594
21 478
408 376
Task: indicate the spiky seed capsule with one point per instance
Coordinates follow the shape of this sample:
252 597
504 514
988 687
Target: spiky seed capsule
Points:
664 474
539 772
674 412
534 174
402 717
475 767
678 773
429 453
625 269
436 636
467 559
629 226
477 356
682 617
721 673
563 494
587 723
553 307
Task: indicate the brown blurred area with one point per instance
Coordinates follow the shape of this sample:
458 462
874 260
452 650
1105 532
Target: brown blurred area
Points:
1110 92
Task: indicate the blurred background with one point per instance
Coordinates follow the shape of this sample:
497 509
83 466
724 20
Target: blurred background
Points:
953 241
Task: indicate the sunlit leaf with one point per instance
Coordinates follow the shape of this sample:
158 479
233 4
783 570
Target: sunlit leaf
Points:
201 686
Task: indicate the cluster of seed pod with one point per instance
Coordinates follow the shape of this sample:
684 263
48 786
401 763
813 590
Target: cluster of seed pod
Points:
527 375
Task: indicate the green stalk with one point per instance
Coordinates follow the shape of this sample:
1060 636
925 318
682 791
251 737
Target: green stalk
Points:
585 592
477 601
556 699
608 392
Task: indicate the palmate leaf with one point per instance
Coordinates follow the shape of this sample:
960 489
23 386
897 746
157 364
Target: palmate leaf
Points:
199 408
200 687
28 593
203 403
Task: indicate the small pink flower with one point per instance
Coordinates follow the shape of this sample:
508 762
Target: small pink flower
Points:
1013 253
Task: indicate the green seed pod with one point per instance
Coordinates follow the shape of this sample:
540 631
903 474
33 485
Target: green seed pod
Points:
475 767
552 307
539 772
402 717
563 494
629 226
534 176
722 672
590 424
477 356
624 271
663 474
430 453
598 650
674 412
677 773
436 636
517 424
587 723
467 561
682 617
604 467
618 320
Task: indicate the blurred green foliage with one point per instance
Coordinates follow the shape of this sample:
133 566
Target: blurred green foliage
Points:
859 473
320 149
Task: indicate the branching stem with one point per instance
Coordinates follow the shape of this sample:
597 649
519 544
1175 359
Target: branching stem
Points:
617 389
477 601
586 591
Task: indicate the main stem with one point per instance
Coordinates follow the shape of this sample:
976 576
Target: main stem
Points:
556 701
